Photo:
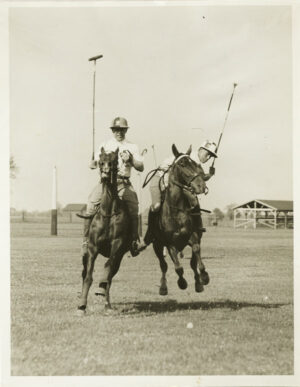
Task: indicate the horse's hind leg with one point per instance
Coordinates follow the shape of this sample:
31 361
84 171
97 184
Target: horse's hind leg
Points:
178 268
87 276
159 251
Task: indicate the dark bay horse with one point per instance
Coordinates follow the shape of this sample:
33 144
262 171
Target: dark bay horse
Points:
109 232
175 226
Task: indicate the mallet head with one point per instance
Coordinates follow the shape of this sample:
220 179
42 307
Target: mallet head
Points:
95 57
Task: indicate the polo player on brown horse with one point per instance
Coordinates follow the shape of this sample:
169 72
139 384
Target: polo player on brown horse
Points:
177 225
111 221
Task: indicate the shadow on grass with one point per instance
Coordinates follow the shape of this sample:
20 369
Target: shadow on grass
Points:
174 306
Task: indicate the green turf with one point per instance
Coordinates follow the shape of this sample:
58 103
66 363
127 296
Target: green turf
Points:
242 322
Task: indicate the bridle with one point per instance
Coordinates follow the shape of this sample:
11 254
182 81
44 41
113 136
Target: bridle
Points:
187 186
110 174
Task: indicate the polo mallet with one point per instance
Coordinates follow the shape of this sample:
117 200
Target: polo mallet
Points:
154 156
221 134
94 59
144 151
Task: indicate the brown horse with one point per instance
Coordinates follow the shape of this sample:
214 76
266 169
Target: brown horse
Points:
175 226
109 232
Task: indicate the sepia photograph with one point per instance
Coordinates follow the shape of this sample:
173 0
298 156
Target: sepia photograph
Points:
150 214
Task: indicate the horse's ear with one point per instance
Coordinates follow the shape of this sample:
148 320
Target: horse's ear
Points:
175 151
189 151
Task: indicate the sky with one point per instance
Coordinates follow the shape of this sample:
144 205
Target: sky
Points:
168 70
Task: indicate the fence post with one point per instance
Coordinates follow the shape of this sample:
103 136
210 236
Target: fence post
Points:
54 205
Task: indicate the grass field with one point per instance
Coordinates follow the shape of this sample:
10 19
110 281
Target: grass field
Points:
242 322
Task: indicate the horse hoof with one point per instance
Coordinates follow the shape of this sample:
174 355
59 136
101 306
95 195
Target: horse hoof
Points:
204 277
80 312
163 291
198 287
182 284
100 292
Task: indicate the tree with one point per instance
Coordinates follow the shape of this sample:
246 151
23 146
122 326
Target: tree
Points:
229 210
218 214
13 168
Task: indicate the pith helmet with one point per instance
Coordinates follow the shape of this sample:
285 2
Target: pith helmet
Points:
119 123
210 147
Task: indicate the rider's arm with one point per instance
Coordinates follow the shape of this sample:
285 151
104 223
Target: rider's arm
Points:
137 159
207 176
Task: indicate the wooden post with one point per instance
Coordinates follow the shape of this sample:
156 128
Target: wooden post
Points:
54 205
285 220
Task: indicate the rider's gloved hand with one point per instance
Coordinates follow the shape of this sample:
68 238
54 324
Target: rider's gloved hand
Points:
212 171
126 156
93 164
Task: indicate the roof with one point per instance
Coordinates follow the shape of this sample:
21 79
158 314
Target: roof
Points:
280 205
75 207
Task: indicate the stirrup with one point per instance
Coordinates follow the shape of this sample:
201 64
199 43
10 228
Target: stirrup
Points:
134 250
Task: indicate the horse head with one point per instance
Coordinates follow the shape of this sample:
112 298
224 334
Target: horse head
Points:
108 164
187 173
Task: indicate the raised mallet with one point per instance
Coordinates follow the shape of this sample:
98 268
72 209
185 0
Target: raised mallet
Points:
154 156
94 59
221 134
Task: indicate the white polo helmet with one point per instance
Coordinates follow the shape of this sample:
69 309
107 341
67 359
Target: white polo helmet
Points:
119 123
210 147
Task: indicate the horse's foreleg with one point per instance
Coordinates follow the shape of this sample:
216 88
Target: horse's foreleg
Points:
114 268
178 267
87 275
196 262
110 269
194 265
84 264
159 251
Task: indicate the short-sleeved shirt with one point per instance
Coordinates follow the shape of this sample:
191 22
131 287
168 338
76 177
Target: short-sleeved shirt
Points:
112 145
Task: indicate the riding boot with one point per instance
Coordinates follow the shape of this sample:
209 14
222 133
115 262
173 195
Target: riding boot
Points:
136 245
86 229
149 236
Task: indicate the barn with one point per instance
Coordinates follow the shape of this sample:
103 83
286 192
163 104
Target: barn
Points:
264 213
73 209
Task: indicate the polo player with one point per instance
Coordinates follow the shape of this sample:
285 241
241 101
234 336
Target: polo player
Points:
129 157
201 156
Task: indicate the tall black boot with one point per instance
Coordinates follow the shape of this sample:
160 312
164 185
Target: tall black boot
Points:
149 236
136 245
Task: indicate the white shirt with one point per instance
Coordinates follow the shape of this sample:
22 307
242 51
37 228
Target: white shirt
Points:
112 145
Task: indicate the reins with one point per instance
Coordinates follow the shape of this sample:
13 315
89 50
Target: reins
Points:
152 173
